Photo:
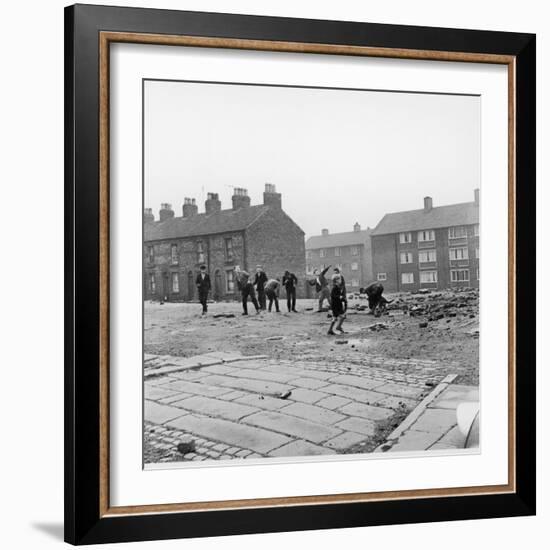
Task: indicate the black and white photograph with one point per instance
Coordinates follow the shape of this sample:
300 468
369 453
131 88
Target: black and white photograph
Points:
310 272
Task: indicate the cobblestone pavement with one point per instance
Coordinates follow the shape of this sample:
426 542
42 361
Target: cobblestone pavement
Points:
225 406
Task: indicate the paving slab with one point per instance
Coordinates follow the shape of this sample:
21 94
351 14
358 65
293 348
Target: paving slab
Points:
196 388
438 421
353 393
308 383
155 393
291 425
159 414
259 374
332 402
262 401
358 425
366 411
301 448
313 413
415 441
255 386
241 435
363 382
453 439
345 440
400 390
306 396
215 407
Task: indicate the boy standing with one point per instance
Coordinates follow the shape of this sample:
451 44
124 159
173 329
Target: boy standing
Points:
203 286
337 306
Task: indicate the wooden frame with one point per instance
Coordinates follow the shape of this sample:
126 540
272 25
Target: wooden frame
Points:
89 517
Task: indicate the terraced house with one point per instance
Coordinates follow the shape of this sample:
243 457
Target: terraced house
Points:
244 235
433 247
350 251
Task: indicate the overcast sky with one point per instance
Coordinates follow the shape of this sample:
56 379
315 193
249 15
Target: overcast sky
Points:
337 156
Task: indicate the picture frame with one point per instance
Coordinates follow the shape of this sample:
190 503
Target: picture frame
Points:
90 31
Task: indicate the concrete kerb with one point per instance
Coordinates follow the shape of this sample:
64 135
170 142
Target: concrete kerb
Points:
417 411
206 361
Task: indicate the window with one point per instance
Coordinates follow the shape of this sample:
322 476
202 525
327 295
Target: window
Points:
152 285
426 235
428 276
407 278
477 252
457 232
337 251
460 275
405 237
151 254
230 280
476 229
174 254
425 256
200 252
406 257
354 251
381 277
175 282
229 248
354 282
458 253
354 266
322 253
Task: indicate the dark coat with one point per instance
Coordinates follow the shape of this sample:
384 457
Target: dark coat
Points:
336 301
203 285
259 280
320 281
290 281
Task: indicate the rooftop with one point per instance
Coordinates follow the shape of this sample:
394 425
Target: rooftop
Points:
220 221
338 239
465 213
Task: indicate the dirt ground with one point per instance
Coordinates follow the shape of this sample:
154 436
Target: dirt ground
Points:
441 326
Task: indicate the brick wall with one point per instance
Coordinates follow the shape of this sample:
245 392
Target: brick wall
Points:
277 243
384 260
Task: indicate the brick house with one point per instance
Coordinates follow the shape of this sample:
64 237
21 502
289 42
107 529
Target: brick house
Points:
433 247
244 235
350 251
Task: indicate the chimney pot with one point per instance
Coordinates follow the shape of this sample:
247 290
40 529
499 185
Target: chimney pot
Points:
240 198
357 227
190 207
476 195
166 211
324 232
148 215
212 204
271 197
428 204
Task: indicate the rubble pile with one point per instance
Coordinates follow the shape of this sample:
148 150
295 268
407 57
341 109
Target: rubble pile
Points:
438 305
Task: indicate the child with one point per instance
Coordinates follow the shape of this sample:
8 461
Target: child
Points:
337 305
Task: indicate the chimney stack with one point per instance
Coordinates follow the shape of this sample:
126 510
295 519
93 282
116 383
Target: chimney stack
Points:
324 232
240 198
357 227
165 212
428 204
271 197
476 196
212 204
148 216
189 208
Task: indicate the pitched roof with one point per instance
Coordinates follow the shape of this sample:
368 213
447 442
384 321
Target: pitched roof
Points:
338 239
465 213
204 224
